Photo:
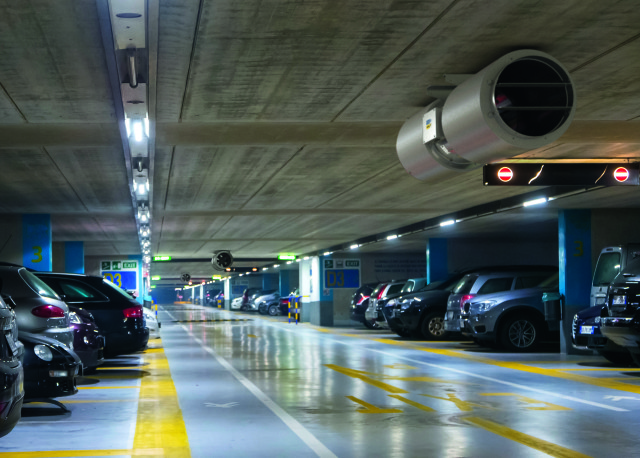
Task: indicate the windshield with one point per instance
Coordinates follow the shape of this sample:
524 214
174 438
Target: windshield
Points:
40 287
464 286
607 268
119 290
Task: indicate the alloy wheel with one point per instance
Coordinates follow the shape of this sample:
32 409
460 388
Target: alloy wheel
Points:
522 334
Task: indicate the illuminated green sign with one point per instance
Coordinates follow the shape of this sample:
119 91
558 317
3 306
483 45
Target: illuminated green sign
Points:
287 257
156 277
162 258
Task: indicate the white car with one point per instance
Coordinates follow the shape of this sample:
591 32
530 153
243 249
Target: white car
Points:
236 303
152 323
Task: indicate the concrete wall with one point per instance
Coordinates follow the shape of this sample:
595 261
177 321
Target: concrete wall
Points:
467 254
11 239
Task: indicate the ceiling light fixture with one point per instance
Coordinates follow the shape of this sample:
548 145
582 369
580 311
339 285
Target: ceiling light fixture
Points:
448 223
542 200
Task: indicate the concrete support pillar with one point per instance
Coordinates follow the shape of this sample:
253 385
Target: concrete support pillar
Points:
270 281
574 250
201 294
437 259
227 294
74 257
285 283
36 242
317 305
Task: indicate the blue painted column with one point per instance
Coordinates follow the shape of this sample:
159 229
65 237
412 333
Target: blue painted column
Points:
574 251
74 257
270 281
36 242
285 282
437 260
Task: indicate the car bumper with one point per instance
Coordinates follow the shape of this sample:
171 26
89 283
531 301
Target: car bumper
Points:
622 331
126 342
39 382
452 321
11 396
91 355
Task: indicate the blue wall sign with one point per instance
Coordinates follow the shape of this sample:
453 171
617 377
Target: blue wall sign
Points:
342 278
36 242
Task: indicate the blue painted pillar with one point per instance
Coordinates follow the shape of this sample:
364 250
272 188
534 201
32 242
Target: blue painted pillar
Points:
437 260
270 281
574 251
74 257
285 282
36 242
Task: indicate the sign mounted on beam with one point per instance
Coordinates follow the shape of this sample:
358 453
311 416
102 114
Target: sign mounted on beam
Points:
562 174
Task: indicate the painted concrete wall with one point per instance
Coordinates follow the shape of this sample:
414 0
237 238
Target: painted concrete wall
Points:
467 254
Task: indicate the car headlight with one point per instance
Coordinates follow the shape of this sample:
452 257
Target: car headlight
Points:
597 319
74 318
405 305
43 352
575 318
486 305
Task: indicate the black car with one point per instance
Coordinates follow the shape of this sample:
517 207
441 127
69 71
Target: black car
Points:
586 335
50 368
360 302
119 317
621 315
421 312
88 343
11 371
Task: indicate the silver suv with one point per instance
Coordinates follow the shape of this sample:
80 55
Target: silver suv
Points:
478 286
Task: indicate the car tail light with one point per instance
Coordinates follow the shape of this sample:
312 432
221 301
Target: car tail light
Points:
133 312
464 299
362 299
48 311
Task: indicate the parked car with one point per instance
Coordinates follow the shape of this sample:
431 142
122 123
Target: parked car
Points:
118 316
608 265
50 368
621 320
151 321
11 371
269 303
374 318
586 335
236 304
247 298
211 297
421 312
360 302
513 319
38 308
88 343
490 280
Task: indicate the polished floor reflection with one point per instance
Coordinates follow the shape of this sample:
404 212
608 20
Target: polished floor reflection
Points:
255 386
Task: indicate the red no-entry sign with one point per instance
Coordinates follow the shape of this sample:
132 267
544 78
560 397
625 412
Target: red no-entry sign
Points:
621 174
505 174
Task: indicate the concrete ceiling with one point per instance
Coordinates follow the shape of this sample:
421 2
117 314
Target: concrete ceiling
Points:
276 120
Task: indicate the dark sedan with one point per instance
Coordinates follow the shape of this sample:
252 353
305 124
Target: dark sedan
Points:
360 302
88 343
118 316
11 372
50 368
586 335
421 312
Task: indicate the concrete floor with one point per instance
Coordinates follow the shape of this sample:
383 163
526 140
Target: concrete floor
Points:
225 384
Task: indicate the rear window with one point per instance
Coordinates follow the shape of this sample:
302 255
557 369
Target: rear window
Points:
496 285
633 267
378 288
408 287
607 268
464 286
79 292
530 281
394 289
37 285
115 287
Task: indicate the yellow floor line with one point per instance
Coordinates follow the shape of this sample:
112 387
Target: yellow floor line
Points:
160 425
122 368
75 453
88 401
557 373
544 446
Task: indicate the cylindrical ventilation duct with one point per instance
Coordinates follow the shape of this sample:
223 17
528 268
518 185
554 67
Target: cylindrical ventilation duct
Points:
522 101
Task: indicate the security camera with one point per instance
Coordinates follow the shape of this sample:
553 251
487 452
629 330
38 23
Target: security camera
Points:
185 278
522 101
222 259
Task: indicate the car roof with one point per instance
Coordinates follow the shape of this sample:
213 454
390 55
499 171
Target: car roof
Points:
510 269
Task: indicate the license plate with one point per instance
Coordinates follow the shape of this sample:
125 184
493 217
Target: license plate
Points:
586 329
12 344
620 300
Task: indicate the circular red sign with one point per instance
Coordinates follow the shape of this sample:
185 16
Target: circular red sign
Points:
505 174
621 174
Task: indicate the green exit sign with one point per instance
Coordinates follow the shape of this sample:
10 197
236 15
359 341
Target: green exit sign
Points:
156 277
129 265
162 258
287 257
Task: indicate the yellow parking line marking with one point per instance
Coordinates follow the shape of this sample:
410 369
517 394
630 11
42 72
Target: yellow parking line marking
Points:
75 453
370 408
160 425
412 403
526 400
364 378
557 373
105 387
90 401
538 444
465 406
121 368
252 335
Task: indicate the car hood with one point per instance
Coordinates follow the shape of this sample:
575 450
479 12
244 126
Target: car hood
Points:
591 312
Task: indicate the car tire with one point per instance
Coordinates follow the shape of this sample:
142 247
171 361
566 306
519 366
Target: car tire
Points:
262 309
274 310
520 333
618 357
243 308
369 325
432 326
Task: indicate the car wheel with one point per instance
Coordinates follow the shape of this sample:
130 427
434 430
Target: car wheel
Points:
243 308
370 325
618 357
432 326
274 310
521 333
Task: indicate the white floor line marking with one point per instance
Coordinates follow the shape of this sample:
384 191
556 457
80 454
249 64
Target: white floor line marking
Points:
312 442
471 374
